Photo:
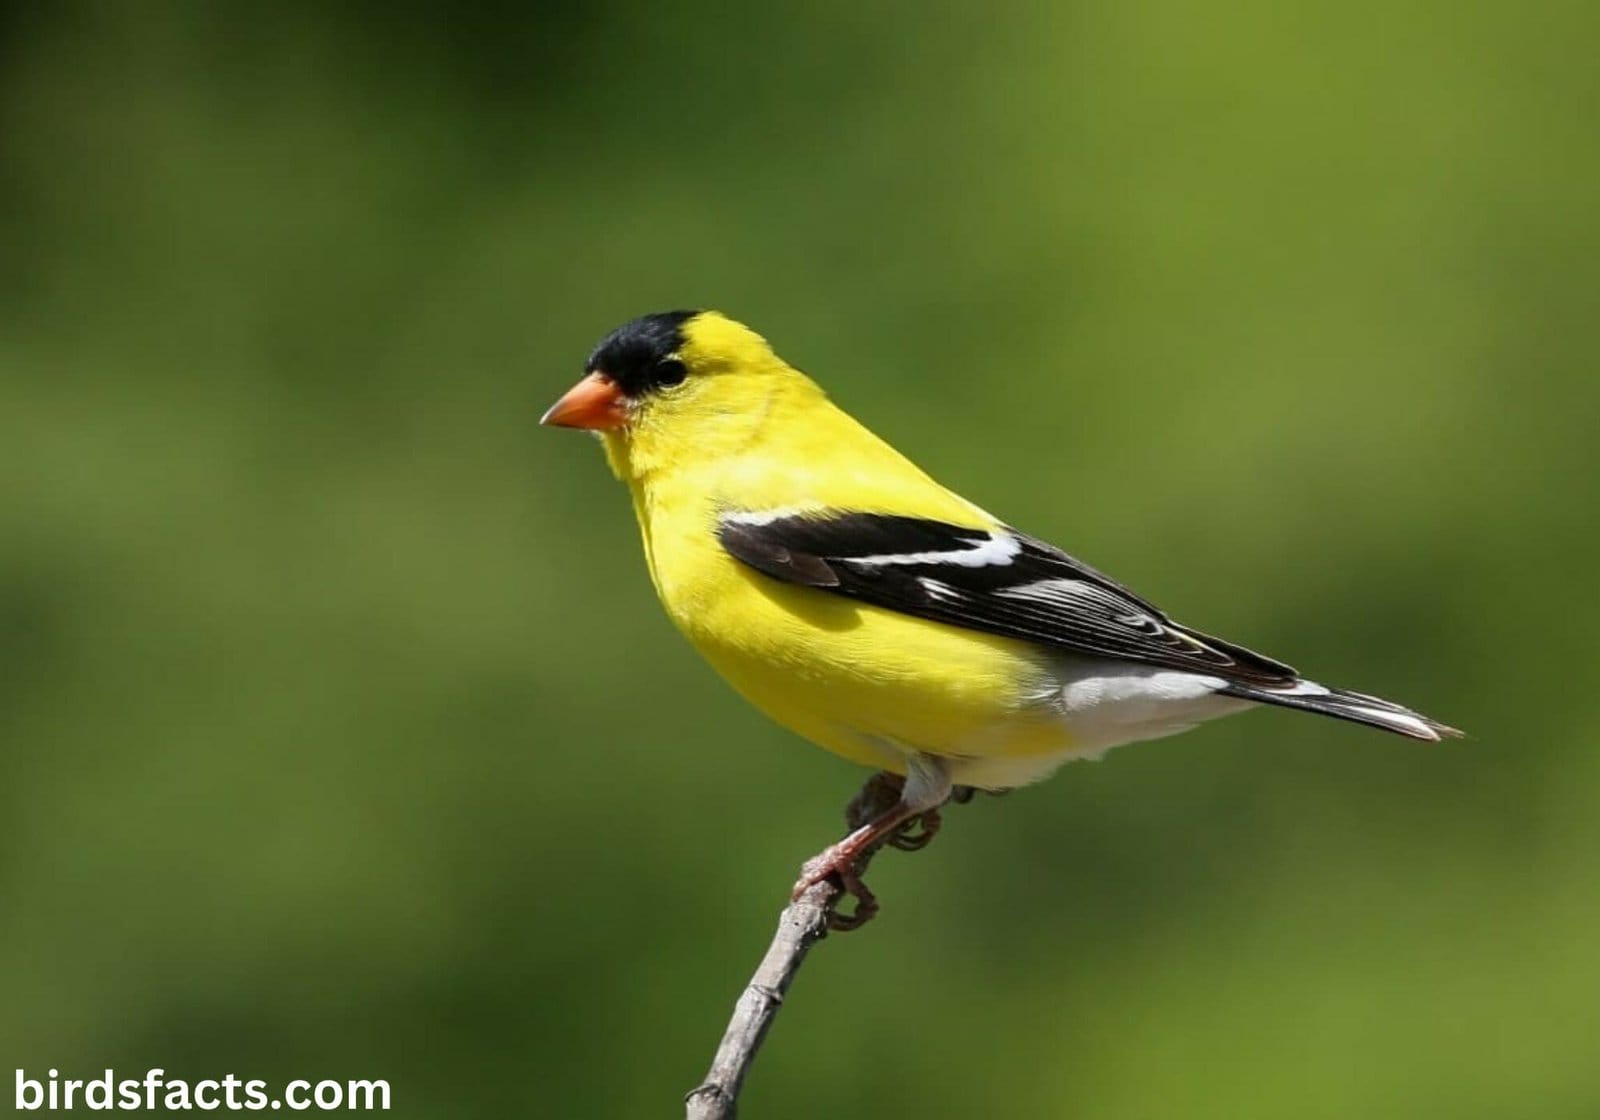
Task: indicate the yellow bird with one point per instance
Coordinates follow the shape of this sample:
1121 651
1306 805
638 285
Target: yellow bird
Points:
867 608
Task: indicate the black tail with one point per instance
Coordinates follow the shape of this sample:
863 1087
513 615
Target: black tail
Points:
1342 704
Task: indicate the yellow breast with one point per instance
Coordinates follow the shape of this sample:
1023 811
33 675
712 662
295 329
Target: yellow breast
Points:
851 677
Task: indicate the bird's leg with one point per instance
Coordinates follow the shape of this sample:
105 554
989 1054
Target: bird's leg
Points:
918 832
920 795
840 859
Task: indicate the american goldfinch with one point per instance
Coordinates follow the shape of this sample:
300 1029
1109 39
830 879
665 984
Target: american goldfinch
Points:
867 608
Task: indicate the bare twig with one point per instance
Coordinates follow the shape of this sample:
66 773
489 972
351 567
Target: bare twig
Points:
802 924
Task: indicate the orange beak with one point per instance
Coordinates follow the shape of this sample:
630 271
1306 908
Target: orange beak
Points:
595 403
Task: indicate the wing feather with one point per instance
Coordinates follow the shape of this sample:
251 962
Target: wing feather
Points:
997 581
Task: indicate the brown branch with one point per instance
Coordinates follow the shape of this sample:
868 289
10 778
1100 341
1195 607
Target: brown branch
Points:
802 924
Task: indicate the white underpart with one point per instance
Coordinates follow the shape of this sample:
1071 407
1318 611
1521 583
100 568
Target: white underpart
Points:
1117 703
1104 704
999 548
1303 688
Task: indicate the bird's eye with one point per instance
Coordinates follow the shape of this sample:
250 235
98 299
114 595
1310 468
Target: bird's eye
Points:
669 371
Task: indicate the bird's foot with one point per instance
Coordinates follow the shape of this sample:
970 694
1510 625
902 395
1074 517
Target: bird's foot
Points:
877 816
866 907
838 861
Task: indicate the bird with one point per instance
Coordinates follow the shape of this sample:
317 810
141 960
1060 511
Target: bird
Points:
878 614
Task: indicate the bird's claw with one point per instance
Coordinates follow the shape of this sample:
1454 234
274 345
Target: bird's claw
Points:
866 908
876 820
838 862
917 832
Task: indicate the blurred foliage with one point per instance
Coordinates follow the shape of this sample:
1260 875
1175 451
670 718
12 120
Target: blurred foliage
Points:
344 738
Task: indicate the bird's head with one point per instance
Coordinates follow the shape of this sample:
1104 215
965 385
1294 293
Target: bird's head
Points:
674 384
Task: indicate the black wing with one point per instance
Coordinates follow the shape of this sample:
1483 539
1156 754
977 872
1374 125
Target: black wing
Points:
1000 582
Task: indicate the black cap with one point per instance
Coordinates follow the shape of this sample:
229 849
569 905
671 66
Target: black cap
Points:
641 355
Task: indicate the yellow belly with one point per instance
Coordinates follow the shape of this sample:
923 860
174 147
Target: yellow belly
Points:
864 682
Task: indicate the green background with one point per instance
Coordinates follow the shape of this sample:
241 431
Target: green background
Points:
340 735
